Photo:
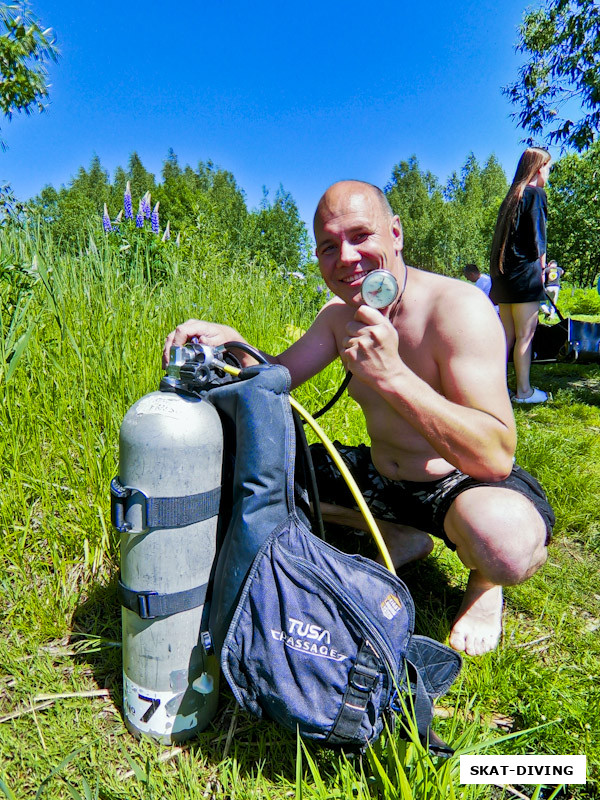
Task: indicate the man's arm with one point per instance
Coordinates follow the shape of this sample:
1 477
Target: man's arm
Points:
469 422
304 359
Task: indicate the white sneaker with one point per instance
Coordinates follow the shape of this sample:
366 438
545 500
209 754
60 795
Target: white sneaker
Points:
536 396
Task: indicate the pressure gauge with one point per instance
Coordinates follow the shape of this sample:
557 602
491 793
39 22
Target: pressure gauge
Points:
379 288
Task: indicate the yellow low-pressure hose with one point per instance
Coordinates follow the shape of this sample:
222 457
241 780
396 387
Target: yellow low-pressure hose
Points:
337 459
356 493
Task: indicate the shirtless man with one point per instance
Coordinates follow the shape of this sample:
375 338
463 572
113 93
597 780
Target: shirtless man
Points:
429 375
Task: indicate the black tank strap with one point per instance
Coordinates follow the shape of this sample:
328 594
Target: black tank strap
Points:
161 512
149 605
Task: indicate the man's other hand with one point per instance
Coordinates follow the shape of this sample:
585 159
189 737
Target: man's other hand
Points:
209 333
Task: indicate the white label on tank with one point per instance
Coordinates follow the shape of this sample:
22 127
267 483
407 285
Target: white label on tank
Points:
165 404
154 713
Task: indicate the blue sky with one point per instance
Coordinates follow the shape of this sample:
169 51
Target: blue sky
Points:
277 93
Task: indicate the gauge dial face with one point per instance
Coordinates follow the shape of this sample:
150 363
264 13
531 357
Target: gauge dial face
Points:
379 289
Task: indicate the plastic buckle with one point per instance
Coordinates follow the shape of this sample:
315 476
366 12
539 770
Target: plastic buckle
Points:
117 488
367 684
143 606
364 678
119 494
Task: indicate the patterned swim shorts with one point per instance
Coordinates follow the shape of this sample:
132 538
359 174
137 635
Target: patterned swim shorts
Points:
422 505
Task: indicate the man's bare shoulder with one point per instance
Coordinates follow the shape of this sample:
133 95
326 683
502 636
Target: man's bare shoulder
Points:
318 346
336 306
456 317
455 305
326 328
335 313
442 285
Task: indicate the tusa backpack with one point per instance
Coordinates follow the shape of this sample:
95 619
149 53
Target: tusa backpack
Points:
318 640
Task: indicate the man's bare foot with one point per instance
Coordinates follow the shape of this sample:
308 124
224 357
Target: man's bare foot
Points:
478 624
404 543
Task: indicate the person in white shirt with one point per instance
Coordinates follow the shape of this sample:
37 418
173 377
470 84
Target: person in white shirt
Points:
481 280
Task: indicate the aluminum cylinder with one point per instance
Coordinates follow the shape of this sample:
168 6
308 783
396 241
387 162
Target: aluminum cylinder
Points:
170 446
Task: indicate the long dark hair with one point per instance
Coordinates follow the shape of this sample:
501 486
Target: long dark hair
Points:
532 160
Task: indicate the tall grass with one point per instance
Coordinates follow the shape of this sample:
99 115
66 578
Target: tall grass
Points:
96 326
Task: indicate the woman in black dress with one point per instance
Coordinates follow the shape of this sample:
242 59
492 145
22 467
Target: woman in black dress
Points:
517 264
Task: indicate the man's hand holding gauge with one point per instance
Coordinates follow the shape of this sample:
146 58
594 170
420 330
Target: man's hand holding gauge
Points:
371 344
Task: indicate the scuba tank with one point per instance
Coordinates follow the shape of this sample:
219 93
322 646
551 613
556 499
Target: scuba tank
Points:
165 504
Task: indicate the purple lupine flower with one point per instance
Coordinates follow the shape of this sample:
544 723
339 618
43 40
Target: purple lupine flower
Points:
178 239
139 217
146 205
154 218
106 220
167 234
127 202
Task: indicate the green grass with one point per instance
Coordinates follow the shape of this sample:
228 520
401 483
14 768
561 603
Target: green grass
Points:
96 334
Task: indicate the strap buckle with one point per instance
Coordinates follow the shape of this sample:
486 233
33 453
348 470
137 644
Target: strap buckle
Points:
144 605
363 678
159 512
149 604
120 503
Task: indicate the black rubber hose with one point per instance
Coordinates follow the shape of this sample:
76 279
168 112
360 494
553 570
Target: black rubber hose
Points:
247 348
309 475
335 397
252 351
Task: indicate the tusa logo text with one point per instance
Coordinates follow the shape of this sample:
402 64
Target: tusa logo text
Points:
308 638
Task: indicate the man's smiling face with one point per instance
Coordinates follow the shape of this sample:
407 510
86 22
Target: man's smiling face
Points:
355 235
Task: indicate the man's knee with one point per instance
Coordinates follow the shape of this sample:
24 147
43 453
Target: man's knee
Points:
498 532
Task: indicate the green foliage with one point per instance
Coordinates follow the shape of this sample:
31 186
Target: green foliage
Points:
204 206
117 189
141 180
17 282
579 302
171 169
93 351
574 215
25 51
74 212
93 184
558 89
446 228
213 205
474 200
12 211
416 197
139 254
278 235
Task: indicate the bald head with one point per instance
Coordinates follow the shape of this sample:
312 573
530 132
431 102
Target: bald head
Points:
343 192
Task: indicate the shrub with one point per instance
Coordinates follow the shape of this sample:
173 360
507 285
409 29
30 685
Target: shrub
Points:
579 301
